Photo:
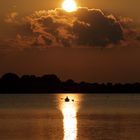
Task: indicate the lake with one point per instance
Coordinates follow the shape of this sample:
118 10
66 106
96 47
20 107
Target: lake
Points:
88 117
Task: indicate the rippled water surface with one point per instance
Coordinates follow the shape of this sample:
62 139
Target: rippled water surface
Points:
85 117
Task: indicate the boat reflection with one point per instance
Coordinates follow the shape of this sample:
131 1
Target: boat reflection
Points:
69 111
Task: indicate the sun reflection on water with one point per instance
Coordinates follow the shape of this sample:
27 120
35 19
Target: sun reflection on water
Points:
69 122
69 111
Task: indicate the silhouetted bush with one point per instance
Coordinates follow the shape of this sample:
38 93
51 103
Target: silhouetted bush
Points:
10 77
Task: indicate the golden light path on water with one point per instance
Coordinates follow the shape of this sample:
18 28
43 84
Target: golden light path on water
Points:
69 111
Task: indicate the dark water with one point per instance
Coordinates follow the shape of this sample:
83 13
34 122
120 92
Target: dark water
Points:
89 117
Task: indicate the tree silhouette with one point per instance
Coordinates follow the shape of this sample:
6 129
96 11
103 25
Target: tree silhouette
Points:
12 83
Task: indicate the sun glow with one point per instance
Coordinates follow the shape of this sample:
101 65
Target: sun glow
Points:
69 5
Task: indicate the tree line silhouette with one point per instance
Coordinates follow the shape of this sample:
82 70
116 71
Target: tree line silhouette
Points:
12 83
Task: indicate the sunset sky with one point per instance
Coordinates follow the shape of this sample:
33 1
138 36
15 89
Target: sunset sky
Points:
98 42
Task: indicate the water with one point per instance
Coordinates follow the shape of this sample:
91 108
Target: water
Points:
89 117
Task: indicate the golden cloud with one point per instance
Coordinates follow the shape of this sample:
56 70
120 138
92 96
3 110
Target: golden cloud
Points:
81 28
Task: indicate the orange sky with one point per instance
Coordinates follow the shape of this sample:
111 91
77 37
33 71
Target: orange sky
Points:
126 7
94 45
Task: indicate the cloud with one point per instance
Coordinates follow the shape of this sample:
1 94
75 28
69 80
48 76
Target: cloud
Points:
93 28
11 17
82 28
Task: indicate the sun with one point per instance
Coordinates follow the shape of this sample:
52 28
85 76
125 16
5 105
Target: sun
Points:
69 5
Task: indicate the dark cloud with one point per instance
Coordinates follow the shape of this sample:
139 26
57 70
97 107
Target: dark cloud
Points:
82 28
85 27
93 28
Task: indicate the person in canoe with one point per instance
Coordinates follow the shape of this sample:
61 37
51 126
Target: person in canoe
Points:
67 99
